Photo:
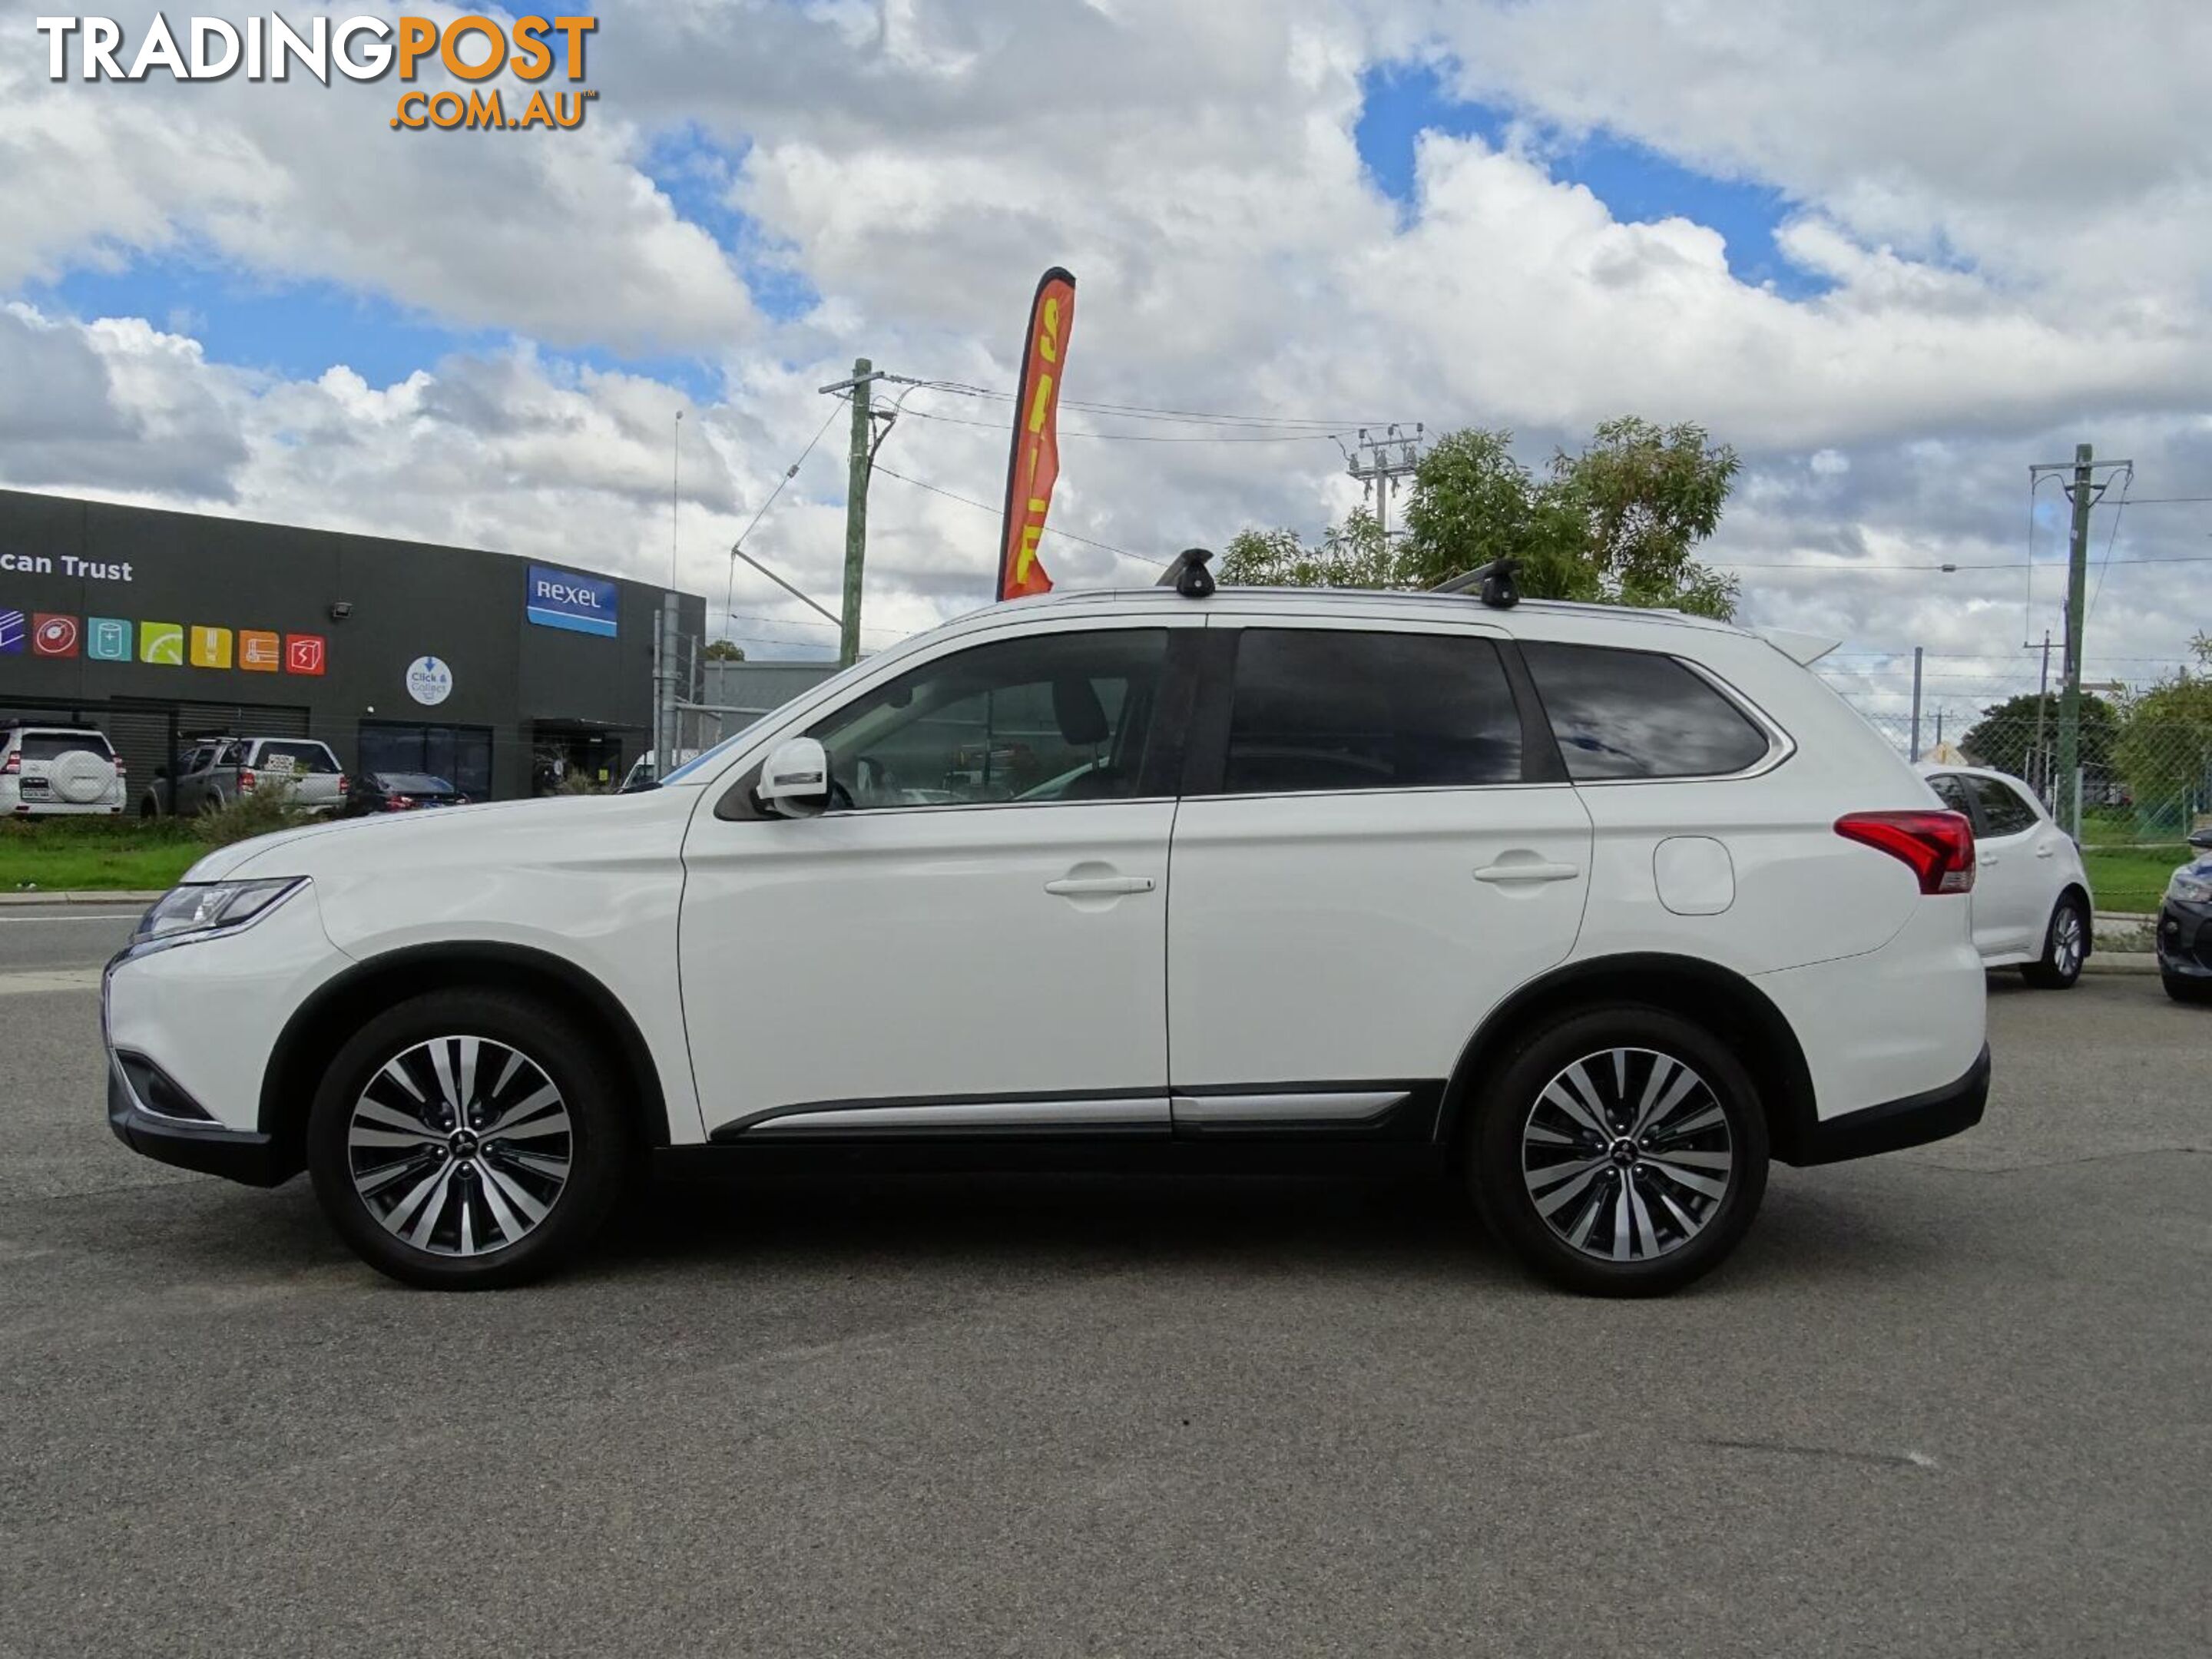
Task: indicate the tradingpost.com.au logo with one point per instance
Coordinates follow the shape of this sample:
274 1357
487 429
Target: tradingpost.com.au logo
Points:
472 50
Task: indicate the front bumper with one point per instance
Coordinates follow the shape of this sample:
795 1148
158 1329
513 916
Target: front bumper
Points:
2185 940
209 1148
1914 1120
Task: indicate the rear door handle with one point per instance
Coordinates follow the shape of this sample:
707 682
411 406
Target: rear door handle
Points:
2045 852
1533 870
1098 886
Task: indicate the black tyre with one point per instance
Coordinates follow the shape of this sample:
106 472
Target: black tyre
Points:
2182 988
467 1139
1620 1151
2065 947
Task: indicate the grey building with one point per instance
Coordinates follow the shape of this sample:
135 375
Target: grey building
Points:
495 670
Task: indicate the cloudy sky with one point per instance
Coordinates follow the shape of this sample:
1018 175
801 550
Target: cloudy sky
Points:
1893 251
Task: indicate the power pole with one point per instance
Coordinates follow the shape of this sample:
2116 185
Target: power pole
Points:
2041 761
1916 704
857 464
860 461
1379 462
2070 696
2082 491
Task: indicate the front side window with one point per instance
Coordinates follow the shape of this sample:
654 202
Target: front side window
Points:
1336 709
1638 715
1049 717
2004 812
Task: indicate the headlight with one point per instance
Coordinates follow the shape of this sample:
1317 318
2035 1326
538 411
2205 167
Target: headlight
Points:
2188 887
211 908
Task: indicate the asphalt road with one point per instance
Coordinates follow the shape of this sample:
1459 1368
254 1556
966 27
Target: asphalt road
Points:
1952 1401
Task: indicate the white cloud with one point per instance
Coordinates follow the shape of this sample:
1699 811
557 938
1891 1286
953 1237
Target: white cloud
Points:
2010 262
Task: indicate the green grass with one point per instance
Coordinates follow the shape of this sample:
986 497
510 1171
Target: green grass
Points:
87 854
2130 877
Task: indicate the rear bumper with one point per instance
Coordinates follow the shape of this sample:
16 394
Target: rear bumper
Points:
235 1154
1936 1115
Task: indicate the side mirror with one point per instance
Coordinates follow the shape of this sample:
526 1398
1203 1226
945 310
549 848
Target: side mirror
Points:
794 781
2202 841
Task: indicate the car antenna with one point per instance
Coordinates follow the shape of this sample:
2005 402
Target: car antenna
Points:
1187 573
1496 579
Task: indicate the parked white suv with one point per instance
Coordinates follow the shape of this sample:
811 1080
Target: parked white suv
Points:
2032 904
1601 908
59 771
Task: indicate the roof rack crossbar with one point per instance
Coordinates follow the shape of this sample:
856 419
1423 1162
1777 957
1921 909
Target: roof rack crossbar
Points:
1495 579
1187 573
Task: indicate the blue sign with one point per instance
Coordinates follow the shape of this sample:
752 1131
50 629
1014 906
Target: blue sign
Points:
562 598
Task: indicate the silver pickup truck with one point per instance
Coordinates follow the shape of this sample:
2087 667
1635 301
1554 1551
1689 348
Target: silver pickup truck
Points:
217 771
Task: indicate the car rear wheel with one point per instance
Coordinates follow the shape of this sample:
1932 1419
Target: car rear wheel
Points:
466 1141
2065 947
1620 1151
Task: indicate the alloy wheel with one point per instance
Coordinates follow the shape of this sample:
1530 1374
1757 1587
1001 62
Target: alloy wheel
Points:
461 1145
2066 950
1626 1154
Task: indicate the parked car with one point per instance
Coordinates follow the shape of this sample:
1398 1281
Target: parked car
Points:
55 771
1599 908
2032 905
645 771
2185 927
375 793
217 771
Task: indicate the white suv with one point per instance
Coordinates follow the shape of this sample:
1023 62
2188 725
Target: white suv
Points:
1601 907
59 771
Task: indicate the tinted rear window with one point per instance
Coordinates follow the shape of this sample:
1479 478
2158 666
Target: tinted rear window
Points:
310 757
1638 715
1324 709
52 745
412 783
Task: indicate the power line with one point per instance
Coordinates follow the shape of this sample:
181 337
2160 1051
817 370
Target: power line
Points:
1066 535
1144 411
1143 437
790 472
1902 569
2111 536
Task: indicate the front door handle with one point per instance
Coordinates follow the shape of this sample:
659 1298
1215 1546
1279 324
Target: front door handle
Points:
2045 852
1533 870
1098 886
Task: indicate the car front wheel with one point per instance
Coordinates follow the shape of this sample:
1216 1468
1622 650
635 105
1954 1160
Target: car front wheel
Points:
2065 948
467 1140
1620 1151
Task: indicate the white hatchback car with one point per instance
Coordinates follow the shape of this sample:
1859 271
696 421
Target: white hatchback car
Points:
2031 906
1600 907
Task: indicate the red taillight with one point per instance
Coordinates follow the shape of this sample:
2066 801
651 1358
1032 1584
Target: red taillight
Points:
245 779
344 786
397 802
12 765
1938 846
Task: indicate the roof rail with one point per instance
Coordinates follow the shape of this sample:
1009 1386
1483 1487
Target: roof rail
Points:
1495 578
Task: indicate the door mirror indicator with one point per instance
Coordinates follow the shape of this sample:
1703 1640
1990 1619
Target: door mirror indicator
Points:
794 782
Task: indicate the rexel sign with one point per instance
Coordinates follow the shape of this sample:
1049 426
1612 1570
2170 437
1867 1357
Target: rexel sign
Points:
562 598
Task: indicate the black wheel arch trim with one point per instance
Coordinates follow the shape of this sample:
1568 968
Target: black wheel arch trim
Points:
1726 1003
378 983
